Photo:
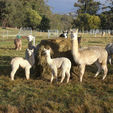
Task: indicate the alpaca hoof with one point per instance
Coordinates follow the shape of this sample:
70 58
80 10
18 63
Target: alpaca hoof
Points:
27 78
103 78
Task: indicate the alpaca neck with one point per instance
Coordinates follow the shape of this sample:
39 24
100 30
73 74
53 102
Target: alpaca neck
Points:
75 50
48 58
31 60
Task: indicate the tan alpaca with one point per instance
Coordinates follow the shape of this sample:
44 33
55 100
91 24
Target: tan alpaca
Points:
55 63
24 63
18 44
88 56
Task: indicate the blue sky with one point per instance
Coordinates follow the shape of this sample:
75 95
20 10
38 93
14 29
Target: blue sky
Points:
63 6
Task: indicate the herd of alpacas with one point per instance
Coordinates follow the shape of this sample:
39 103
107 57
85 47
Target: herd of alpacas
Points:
82 56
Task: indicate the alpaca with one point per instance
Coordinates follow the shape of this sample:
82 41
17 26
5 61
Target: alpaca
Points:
31 39
18 44
30 47
24 63
64 34
88 56
109 49
55 63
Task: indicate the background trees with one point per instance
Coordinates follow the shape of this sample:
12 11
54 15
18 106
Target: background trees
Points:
37 14
90 15
31 13
87 22
87 6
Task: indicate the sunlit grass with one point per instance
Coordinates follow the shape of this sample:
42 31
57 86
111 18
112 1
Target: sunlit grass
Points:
38 95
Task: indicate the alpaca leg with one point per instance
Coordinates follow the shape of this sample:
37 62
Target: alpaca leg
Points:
82 69
20 47
99 68
63 76
17 47
54 74
68 76
52 77
104 67
27 72
14 69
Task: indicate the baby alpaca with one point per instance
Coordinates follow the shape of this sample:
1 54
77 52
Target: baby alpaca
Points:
24 63
55 63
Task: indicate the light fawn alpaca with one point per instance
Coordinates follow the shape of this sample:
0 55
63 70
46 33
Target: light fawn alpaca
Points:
24 63
18 44
55 63
109 49
88 56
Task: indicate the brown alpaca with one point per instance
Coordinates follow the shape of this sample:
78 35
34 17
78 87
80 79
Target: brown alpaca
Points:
18 44
88 56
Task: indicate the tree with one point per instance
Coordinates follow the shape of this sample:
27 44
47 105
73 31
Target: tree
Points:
106 21
33 19
87 6
87 22
45 24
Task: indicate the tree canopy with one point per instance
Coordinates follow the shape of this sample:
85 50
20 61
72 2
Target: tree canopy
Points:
90 15
87 6
87 22
31 13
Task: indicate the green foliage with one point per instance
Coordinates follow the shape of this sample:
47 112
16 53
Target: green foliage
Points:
31 13
61 22
87 22
106 20
33 19
45 24
87 6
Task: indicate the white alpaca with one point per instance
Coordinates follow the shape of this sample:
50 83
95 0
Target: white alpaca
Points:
24 63
31 39
109 49
55 63
88 56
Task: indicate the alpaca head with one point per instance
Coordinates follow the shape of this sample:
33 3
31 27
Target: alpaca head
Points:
74 34
30 51
47 52
30 38
65 33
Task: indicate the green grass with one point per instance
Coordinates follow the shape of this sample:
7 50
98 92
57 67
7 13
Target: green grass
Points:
37 95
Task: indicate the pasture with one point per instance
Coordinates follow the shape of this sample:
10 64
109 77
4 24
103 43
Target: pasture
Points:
37 95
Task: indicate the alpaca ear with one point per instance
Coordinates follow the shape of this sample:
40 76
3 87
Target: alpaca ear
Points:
32 50
44 49
49 49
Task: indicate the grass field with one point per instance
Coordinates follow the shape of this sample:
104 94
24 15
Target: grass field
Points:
37 95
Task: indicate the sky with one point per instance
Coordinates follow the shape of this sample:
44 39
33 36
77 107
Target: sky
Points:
63 6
